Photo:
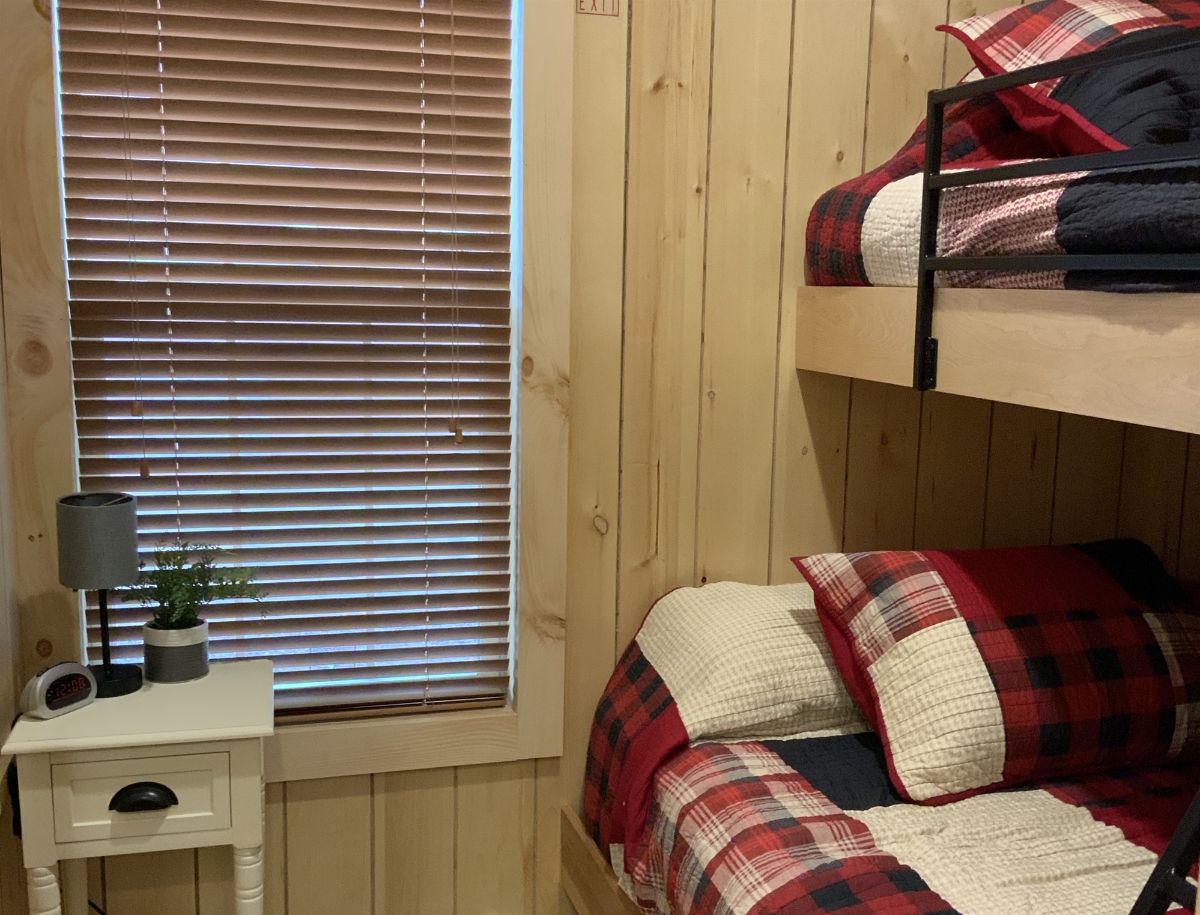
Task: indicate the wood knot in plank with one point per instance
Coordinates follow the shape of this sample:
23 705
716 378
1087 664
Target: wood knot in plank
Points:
34 358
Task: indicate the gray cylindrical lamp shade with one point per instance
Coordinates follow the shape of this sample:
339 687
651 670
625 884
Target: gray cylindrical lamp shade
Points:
97 540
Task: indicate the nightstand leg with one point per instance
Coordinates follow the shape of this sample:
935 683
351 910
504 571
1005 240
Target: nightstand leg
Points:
44 898
248 880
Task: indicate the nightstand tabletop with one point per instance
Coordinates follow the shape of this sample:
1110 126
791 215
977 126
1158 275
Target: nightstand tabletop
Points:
234 701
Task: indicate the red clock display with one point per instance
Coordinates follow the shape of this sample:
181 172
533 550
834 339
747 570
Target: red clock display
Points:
66 690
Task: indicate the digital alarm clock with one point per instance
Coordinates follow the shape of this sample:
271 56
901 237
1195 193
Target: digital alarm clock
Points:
58 689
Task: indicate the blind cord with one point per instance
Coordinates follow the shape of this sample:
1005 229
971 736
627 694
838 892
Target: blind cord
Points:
166 249
455 370
424 363
137 409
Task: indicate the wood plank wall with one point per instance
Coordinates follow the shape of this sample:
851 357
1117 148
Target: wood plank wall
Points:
703 131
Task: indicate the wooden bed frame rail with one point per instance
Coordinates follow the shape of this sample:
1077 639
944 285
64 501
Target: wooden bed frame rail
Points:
1133 358
587 879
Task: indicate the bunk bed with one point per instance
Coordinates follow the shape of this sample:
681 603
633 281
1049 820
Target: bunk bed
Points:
1119 355
1116 355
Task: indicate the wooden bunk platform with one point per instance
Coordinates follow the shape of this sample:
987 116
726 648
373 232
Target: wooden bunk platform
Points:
1133 358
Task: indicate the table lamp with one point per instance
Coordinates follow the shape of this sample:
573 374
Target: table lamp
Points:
97 550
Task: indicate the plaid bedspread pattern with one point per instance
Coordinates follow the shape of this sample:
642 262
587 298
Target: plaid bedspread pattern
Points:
975 132
735 829
636 727
1052 30
1078 690
884 597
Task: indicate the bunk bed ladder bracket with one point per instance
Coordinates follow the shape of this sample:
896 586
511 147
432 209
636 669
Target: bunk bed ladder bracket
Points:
927 361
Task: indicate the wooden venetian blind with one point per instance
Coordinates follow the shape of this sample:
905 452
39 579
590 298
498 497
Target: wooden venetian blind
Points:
288 236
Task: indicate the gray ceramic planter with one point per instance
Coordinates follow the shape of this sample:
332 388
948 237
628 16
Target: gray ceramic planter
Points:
176 655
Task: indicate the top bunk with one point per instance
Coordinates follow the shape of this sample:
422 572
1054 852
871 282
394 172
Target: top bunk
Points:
1112 237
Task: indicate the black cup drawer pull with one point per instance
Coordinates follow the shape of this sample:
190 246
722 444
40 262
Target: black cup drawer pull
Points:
143 796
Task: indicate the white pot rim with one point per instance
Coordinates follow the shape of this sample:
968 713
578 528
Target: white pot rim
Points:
175 638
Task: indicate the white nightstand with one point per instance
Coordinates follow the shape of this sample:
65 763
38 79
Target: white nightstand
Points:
191 750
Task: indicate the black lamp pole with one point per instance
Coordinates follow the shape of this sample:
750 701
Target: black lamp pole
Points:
105 647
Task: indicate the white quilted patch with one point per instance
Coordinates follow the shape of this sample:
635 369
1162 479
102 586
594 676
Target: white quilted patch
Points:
975 221
891 233
1014 852
745 660
912 680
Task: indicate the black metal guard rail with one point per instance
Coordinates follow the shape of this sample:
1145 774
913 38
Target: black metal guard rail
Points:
925 354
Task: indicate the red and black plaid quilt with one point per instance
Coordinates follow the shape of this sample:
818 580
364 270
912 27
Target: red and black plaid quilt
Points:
809 825
812 824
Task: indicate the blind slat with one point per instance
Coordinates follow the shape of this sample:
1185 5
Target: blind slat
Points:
279 412
288 249
224 16
103 174
144 213
491 61
100 93
80 68
283 237
149 254
484 9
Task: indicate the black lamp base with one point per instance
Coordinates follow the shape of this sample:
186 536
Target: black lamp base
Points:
116 679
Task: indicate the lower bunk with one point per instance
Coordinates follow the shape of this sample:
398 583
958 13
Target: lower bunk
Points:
811 825
970 732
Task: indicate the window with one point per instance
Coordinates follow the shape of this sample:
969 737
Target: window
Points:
289 239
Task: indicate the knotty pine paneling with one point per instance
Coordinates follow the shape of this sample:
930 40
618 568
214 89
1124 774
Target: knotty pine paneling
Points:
1087 479
1020 481
414 850
952 471
597 296
703 131
329 846
826 128
495 874
747 158
667 175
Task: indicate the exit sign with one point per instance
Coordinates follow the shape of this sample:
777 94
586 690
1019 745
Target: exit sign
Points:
598 7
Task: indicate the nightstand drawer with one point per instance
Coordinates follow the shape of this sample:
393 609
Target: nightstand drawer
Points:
193 790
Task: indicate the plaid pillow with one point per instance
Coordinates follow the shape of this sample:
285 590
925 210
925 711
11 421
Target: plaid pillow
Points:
983 668
1051 30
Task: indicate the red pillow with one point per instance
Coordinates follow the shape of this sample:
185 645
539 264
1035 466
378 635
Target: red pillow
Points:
984 668
1050 30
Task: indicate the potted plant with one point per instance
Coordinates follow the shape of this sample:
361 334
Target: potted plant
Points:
184 580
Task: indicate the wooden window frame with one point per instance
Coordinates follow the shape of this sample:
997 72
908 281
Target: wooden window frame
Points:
42 434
